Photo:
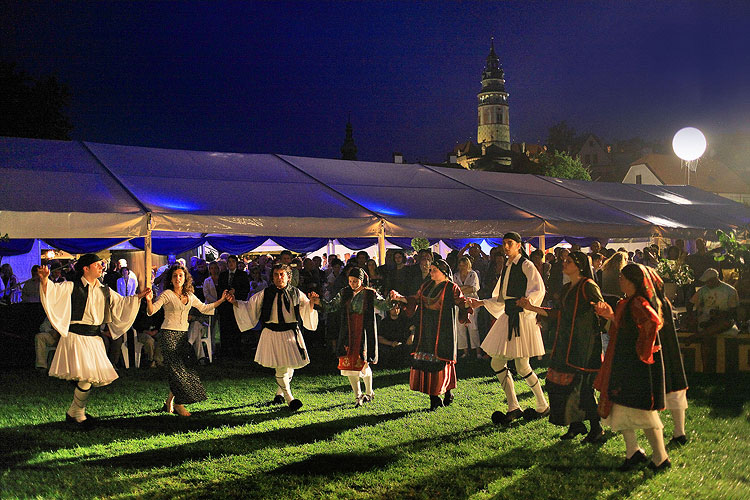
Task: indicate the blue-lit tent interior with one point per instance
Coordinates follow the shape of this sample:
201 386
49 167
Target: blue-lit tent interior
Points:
82 196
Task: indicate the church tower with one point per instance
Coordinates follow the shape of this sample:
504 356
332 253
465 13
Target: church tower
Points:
349 149
493 127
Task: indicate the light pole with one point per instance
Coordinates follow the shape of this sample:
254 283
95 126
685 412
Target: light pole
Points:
689 144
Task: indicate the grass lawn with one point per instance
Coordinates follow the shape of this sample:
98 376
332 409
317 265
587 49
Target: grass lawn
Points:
235 445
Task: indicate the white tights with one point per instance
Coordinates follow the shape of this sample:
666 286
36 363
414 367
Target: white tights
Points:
81 393
500 366
366 376
284 376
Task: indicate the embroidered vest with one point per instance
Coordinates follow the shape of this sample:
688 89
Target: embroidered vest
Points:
516 288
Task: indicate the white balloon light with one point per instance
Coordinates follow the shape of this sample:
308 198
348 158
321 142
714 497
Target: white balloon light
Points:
689 143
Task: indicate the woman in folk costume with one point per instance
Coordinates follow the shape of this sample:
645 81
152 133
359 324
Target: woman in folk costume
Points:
576 352
631 380
280 308
515 335
436 303
179 356
675 380
77 309
357 346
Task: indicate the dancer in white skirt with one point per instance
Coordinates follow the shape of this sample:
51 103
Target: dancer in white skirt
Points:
77 309
280 309
515 335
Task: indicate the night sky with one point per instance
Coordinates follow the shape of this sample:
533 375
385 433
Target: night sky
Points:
282 77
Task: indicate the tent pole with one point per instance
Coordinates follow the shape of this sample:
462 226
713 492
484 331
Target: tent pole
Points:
543 243
381 243
147 248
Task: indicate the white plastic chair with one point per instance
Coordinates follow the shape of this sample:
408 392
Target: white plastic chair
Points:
136 356
206 341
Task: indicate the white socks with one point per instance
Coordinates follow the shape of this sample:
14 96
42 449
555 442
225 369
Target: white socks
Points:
81 393
678 417
524 369
500 367
354 380
284 380
366 377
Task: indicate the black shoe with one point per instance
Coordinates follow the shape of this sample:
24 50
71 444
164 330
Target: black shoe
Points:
574 430
85 425
498 417
435 403
595 436
448 399
506 419
530 414
678 441
666 464
295 404
636 460
278 400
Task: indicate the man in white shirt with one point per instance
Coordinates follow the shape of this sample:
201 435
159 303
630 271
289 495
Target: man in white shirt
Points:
515 335
77 309
280 308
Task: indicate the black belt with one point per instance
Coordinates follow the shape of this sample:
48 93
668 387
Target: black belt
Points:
281 327
513 312
87 330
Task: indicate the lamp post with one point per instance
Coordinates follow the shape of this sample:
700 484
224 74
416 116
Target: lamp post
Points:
689 144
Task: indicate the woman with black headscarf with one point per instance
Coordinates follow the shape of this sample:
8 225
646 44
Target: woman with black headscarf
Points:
631 380
433 369
357 345
576 352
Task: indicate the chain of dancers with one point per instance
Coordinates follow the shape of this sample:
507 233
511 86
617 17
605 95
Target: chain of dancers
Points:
640 373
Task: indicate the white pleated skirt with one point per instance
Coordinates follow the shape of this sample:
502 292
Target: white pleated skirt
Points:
527 345
280 349
82 358
676 400
623 418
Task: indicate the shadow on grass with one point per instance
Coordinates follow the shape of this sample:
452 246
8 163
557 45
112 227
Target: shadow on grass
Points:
171 456
556 471
724 394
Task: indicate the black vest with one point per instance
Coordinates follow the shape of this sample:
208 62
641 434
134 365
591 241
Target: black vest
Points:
80 296
516 288
517 281
269 301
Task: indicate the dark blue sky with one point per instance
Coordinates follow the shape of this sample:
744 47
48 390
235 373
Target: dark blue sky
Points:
281 77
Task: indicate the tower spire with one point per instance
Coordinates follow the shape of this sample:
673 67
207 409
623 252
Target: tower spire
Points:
349 149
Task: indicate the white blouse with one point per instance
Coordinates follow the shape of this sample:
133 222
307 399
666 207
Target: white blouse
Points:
209 290
471 280
176 313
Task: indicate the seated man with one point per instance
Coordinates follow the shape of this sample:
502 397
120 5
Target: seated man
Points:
197 329
715 305
146 328
395 337
47 337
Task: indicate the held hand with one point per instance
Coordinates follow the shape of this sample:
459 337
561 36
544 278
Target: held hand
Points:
225 296
395 296
604 310
523 302
43 272
230 297
148 293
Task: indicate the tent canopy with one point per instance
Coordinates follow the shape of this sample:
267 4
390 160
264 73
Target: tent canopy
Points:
55 189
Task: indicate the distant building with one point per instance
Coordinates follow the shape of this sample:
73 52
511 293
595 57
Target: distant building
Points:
711 175
349 149
492 151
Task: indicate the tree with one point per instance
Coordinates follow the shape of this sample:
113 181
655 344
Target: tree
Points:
561 137
33 107
563 166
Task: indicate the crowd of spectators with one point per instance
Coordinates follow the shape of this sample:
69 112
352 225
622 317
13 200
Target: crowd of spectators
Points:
476 272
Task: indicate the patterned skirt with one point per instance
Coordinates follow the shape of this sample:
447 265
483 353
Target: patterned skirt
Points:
434 383
180 360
